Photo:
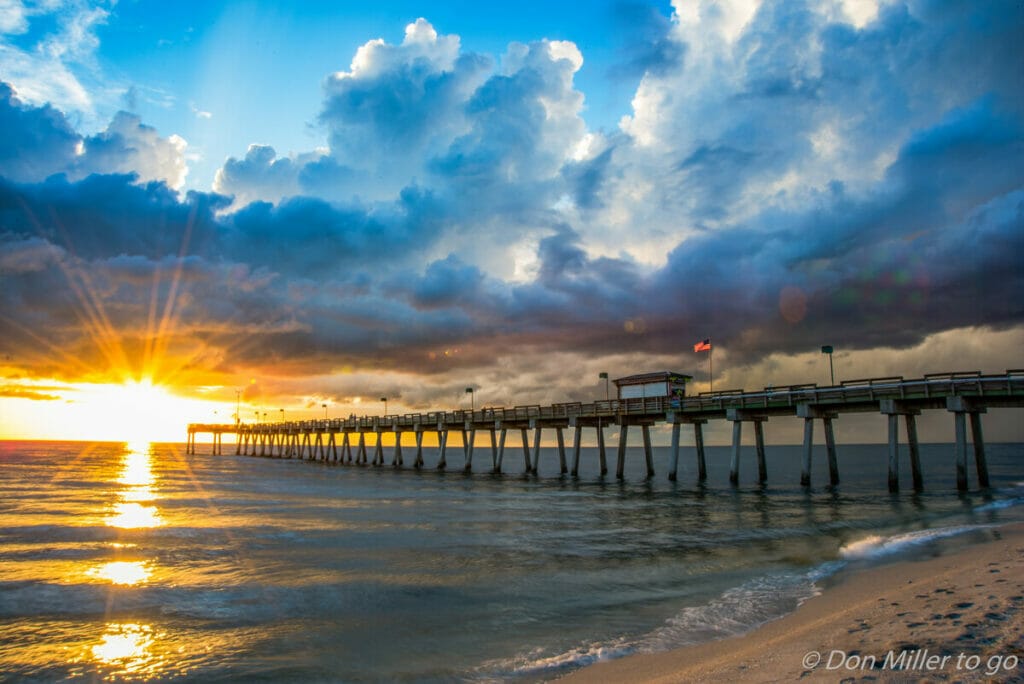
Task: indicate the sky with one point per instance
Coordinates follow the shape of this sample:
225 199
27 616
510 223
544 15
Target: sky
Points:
261 208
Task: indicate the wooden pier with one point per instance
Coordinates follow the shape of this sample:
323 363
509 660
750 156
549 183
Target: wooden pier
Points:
966 395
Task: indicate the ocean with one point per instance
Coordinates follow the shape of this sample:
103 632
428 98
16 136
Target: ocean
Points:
122 562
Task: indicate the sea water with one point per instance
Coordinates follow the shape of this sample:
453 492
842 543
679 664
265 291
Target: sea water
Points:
139 562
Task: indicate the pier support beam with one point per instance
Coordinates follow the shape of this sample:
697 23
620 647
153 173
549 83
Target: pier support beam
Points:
442 439
894 409
805 471
645 431
501 449
734 464
809 412
910 422
621 461
762 465
830 449
361 455
600 449
378 449
577 436
698 441
536 448
494 449
469 442
675 452
396 458
346 450
737 416
979 449
894 453
561 450
418 462
961 407
526 448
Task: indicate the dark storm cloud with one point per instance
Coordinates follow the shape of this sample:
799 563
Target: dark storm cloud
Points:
910 224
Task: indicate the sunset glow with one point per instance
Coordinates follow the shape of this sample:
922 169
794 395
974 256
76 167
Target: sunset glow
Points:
133 411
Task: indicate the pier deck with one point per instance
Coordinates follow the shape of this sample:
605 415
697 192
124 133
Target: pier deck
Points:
966 395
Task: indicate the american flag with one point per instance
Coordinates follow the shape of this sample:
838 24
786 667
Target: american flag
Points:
703 345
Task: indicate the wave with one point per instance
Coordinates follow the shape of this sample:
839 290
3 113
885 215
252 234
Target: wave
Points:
735 611
874 546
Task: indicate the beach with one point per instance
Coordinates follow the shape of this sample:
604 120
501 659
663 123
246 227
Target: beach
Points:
953 617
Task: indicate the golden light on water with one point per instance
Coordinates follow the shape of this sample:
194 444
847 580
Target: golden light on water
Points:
127 573
129 515
128 646
139 485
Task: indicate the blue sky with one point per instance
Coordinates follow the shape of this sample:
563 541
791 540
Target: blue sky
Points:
326 202
192 67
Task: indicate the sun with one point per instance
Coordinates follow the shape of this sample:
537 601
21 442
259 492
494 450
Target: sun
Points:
135 411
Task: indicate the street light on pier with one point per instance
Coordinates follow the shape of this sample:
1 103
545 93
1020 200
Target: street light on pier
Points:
282 414
604 376
385 400
827 349
325 410
238 407
472 402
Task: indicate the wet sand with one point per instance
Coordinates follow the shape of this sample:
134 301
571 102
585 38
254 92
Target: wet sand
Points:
957 617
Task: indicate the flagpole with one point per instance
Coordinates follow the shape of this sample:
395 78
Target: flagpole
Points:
711 367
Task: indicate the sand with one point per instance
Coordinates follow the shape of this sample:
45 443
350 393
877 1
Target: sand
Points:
957 617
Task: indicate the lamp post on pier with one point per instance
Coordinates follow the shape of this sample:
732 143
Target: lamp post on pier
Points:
604 376
827 349
325 410
472 403
385 400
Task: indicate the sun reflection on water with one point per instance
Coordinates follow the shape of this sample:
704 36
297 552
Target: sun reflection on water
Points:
138 483
128 646
129 515
128 573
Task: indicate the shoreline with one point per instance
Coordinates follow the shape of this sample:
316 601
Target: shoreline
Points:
959 615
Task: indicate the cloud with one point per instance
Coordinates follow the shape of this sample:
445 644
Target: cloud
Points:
259 176
42 143
129 146
787 179
44 69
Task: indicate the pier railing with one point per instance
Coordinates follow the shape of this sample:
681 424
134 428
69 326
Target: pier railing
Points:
861 394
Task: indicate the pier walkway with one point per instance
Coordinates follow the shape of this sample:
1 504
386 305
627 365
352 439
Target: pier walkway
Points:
966 395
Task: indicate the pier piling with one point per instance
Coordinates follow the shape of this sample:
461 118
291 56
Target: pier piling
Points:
673 469
501 450
621 461
577 436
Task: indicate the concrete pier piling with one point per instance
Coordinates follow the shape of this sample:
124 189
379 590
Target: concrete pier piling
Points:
962 407
468 449
966 395
620 463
